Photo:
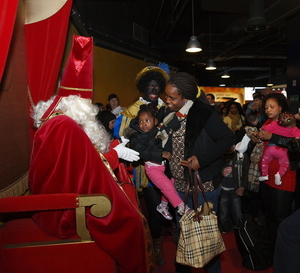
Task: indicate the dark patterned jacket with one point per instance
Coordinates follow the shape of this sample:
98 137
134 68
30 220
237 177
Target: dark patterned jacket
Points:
207 137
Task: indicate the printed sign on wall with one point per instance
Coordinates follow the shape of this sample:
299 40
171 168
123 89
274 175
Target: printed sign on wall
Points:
223 94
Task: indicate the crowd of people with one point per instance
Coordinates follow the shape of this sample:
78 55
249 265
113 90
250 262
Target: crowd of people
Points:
269 179
227 143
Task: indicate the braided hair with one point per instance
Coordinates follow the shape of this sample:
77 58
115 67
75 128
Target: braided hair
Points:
186 85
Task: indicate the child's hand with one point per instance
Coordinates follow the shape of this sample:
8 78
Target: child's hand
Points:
240 191
166 155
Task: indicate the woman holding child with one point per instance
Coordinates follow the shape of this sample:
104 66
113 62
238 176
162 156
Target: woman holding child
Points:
277 199
198 136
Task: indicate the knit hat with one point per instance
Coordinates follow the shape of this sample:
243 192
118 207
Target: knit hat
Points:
77 78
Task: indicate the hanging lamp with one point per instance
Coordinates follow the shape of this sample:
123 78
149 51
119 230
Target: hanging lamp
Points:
210 64
193 45
257 21
270 83
225 75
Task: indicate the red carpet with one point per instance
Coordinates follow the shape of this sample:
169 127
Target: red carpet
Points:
230 259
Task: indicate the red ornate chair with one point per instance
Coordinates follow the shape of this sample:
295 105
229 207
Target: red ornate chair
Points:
25 248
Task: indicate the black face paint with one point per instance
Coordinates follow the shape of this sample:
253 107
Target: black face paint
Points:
152 92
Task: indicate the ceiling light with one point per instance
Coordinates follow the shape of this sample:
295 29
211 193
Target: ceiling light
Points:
272 76
222 83
256 21
256 24
210 65
225 75
193 45
269 83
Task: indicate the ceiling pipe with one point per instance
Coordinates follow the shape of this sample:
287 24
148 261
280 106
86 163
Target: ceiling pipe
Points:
173 20
251 35
284 11
159 15
170 18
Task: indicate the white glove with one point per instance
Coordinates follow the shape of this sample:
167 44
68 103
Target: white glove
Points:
126 153
242 146
124 140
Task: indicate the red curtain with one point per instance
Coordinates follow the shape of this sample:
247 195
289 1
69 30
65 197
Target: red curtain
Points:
45 42
8 13
45 46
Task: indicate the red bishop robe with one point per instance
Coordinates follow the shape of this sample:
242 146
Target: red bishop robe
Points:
65 161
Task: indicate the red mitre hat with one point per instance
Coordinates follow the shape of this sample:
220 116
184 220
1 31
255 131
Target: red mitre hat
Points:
77 78
78 75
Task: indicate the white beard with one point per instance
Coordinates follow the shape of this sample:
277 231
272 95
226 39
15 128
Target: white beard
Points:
83 112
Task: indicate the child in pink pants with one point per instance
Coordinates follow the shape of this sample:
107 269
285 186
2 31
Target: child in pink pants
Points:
151 152
284 126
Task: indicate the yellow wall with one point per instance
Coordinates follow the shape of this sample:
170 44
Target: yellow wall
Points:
113 73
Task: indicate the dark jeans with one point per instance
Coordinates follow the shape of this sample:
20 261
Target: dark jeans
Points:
230 209
287 248
214 266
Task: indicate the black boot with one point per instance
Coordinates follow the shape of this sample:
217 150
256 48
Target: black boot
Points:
172 230
158 251
180 268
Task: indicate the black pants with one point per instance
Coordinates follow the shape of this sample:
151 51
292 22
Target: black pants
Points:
287 249
277 204
152 197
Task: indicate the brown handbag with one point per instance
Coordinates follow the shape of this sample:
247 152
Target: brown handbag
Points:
200 238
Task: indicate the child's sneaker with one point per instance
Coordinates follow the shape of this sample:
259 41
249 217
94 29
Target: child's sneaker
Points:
263 178
278 179
164 212
184 209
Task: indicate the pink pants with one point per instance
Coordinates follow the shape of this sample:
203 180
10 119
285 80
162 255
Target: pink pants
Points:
278 153
157 176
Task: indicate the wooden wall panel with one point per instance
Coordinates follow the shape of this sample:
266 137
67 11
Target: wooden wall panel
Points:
14 116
